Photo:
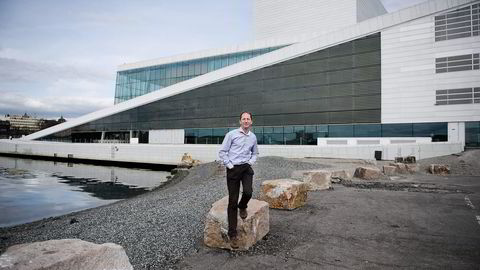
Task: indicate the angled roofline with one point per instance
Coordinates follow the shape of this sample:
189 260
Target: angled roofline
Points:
321 42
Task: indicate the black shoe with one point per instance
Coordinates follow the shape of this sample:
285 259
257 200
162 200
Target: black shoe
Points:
243 213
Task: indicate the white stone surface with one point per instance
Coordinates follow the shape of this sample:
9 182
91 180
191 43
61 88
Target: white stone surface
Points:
72 254
172 154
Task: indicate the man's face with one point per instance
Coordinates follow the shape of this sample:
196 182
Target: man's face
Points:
246 121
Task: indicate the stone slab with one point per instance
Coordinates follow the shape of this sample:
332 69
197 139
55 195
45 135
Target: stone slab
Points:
284 193
249 231
72 254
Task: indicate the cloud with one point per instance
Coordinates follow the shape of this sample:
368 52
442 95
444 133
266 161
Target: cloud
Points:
51 106
20 70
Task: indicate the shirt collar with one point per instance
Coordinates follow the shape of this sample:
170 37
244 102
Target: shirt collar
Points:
241 131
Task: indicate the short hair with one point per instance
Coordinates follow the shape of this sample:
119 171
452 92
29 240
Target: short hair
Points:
249 113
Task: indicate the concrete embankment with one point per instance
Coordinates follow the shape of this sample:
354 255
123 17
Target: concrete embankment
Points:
171 154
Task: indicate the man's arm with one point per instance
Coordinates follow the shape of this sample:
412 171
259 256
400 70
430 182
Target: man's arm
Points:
224 149
253 158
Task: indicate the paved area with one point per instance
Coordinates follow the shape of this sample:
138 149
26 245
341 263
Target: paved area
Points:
417 222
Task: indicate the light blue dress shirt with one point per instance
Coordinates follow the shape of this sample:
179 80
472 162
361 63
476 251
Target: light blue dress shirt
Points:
238 148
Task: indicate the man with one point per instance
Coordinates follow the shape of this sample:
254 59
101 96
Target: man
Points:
239 152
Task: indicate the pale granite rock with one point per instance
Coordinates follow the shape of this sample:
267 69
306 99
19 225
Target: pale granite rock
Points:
368 173
284 193
72 254
339 175
389 170
249 230
317 180
440 169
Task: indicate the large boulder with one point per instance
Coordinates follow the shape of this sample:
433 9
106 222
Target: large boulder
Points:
368 173
440 169
249 230
341 175
389 169
72 254
284 193
400 168
412 168
317 180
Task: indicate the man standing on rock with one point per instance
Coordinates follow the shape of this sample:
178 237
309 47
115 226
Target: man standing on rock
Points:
239 152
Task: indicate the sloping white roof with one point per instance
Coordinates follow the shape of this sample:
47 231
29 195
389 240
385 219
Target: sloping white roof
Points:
321 42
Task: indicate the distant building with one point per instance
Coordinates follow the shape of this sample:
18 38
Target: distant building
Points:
24 124
18 125
4 129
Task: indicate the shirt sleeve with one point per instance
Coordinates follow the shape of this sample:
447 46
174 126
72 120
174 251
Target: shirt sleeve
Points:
253 158
223 153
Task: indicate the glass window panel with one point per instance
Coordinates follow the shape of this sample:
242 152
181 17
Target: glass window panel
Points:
437 131
273 138
258 130
277 129
472 134
310 129
397 130
340 131
204 136
291 138
374 130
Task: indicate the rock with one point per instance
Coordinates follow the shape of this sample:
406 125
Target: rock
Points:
389 170
195 162
73 220
187 161
284 193
439 169
179 170
400 167
411 168
62 254
368 173
410 159
337 176
317 180
249 230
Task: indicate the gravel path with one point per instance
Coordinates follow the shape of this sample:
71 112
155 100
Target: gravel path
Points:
156 229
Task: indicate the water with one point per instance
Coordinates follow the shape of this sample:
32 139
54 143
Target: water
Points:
33 189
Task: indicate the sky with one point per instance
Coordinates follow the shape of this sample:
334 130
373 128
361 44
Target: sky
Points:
60 58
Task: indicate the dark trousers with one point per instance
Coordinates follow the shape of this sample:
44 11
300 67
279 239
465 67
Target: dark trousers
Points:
244 174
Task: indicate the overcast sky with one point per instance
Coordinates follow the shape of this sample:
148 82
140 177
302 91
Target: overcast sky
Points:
60 57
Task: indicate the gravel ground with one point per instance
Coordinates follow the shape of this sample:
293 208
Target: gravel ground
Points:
147 226
466 163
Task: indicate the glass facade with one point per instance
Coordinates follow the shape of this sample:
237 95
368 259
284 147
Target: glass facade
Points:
308 134
472 134
339 85
137 82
